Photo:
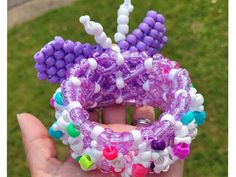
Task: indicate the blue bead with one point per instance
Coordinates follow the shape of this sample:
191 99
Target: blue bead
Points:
187 118
55 134
58 98
200 117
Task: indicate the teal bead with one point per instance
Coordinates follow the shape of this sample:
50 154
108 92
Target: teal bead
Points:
55 134
58 98
187 118
200 117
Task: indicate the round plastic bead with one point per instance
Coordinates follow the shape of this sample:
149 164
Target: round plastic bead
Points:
48 50
141 46
59 54
139 170
69 58
199 117
60 64
144 27
58 98
158 26
152 13
87 50
68 46
55 134
42 76
161 18
138 33
85 161
40 67
181 150
54 79
187 118
150 21
131 39
39 57
78 48
72 131
153 33
61 72
52 70
158 145
124 45
50 61
58 42
110 152
148 40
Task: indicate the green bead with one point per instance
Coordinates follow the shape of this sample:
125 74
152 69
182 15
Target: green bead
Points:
72 131
187 118
58 98
85 162
78 158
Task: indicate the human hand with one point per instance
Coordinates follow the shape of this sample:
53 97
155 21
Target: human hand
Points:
41 153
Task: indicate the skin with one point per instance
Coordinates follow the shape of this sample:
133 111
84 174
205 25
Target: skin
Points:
41 152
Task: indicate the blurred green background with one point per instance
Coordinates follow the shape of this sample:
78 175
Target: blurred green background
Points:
198 40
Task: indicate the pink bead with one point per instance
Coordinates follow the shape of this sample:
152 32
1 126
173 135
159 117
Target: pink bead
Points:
52 102
139 170
181 150
110 152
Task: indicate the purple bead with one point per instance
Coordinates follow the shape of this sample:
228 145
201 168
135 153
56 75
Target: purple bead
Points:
60 64
78 59
124 45
158 145
78 48
138 33
52 71
48 50
150 21
155 43
59 55
97 48
87 50
131 39
148 40
58 42
164 39
152 13
68 46
158 26
161 18
153 33
61 72
160 36
39 57
40 67
50 61
133 49
141 46
69 58
42 76
144 27
151 51
54 79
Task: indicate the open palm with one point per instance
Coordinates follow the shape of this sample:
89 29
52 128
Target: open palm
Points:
41 152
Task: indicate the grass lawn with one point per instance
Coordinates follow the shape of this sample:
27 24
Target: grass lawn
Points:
197 32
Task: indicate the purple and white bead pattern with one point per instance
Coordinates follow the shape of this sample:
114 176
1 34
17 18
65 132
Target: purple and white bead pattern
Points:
133 73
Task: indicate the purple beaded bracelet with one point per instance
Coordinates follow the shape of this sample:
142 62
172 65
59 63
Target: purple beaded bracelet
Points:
131 73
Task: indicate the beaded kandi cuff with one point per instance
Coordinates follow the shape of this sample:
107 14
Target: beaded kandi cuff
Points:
131 72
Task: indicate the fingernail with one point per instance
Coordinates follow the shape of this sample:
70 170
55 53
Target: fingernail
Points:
18 117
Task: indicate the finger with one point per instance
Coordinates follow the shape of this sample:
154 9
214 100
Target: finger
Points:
93 115
146 112
38 145
114 114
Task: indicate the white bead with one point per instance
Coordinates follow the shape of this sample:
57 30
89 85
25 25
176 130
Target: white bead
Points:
97 130
172 74
123 11
107 43
74 155
120 59
66 116
146 85
122 19
145 156
72 105
84 19
186 140
62 124
136 135
197 100
169 118
97 29
72 140
76 81
123 28
101 38
182 132
55 127
119 100
142 146
97 88
93 144
119 37
155 156
93 63
148 64
78 147
115 47
120 83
